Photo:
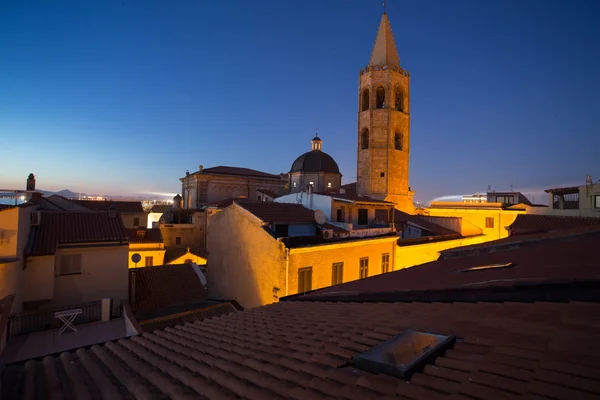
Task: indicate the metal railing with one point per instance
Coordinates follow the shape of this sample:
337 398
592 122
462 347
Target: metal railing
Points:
36 321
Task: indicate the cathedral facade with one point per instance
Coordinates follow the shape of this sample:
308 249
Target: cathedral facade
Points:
383 140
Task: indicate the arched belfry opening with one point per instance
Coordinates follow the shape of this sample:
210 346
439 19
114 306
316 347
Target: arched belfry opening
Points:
380 97
399 106
365 100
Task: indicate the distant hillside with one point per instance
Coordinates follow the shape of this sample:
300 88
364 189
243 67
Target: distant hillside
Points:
72 195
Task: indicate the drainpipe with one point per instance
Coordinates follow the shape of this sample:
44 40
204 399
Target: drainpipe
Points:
287 268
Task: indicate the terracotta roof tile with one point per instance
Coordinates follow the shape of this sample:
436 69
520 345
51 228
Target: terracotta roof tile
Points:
73 227
181 318
225 170
143 235
104 205
164 286
269 193
527 223
228 357
227 202
280 213
161 208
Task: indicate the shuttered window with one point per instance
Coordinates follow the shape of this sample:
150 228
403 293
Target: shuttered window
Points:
337 273
304 279
69 264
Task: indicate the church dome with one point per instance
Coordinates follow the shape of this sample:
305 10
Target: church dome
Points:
315 160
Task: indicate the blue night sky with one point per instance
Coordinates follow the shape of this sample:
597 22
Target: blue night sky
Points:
121 97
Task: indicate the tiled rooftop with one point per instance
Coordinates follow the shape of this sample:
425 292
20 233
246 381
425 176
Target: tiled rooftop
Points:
535 264
527 223
303 350
563 190
400 217
226 202
268 192
73 227
163 286
225 170
104 205
143 235
199 314
280 213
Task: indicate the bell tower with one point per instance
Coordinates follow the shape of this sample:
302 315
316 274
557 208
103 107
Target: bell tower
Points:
383 138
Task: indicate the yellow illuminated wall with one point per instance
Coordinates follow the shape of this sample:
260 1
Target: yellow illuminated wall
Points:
154 250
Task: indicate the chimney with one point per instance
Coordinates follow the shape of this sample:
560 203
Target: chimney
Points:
30 182
201 167
112 211
187 173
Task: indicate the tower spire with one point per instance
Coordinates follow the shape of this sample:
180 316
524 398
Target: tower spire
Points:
384 49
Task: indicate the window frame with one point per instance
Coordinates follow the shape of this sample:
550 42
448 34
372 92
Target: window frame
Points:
151 258
178 240
337 273
302 279
380 100
62 257
363 271
385 263
489 222
136 221
365 100
364 211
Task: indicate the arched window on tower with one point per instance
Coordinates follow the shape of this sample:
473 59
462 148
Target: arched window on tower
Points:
380 97
364 139
365 100
399 99
398 141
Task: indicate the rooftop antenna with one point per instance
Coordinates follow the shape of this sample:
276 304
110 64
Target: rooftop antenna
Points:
317 131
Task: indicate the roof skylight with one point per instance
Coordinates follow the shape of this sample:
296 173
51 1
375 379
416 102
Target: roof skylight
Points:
404 354
486 267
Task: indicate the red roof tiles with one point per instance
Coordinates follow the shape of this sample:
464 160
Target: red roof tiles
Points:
143 235
67 227
227 202
537 263
280 213
198 314
526 223
104 205
303 350
164 286
225 170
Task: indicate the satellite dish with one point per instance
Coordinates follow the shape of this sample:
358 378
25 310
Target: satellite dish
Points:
136 258
320 217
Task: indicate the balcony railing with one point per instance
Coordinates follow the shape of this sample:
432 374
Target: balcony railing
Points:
36 321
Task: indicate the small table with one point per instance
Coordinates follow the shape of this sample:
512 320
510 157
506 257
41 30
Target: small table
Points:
67 317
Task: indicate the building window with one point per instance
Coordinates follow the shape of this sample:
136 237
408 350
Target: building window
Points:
365 100
136 222
380 97
337 273
259 198
304 280
382 175
489 222
597 201
398 141
340 215
149 261
178 240
399 99
364 268
328 184
295 184
364 139
385 263
311 183
281 230
363 216
69 264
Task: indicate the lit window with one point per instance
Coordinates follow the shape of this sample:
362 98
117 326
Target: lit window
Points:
69 264
311 183
489 222
328 184
304 280
364 268
337 273
295 184
385 263
597 201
